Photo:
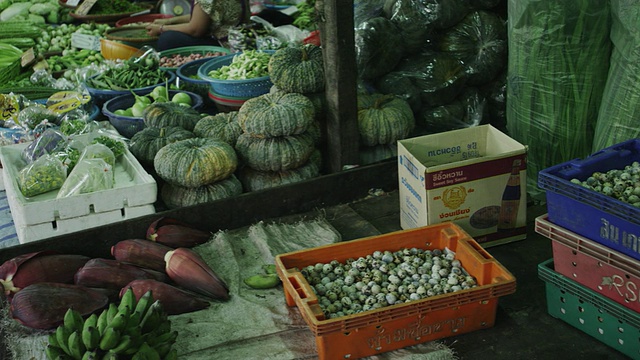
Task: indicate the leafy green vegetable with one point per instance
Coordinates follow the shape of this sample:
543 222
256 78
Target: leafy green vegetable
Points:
620 107
558 65
116 146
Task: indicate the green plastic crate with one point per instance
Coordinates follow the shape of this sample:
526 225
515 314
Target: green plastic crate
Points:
590 312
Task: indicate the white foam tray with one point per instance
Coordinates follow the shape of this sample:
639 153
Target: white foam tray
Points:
30 233
133 187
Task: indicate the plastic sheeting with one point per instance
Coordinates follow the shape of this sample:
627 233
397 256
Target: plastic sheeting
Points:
558 63
619 116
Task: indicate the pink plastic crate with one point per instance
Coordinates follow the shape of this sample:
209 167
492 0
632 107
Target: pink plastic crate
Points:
597 267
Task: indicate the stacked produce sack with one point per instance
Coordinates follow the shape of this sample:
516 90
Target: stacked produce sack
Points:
447 59
280 131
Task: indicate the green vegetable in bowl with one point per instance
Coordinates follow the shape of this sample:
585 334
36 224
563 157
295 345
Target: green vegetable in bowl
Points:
250 64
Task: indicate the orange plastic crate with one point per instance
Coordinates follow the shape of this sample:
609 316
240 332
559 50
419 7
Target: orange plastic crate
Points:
397 326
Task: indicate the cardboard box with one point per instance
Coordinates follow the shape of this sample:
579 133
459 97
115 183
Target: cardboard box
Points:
465 176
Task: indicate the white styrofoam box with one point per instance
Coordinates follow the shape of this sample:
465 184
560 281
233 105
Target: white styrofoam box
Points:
30 233
133 187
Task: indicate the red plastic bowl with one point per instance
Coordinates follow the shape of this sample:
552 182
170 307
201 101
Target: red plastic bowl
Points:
141 18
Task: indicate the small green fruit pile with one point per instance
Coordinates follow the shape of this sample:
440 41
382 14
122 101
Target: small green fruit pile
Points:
158 95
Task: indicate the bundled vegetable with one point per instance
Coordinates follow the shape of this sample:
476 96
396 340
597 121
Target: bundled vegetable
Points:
9 62
620 108
558 65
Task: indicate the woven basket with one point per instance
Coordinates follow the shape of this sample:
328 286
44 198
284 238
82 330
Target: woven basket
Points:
236 88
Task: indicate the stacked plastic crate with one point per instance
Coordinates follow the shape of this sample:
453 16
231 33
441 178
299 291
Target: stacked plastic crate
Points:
593 280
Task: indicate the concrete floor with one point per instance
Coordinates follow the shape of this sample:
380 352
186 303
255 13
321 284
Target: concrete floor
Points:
523 328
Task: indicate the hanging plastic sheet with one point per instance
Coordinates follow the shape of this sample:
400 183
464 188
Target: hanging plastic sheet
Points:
557 69
619 116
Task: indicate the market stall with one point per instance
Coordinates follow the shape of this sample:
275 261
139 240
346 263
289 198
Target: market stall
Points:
114 152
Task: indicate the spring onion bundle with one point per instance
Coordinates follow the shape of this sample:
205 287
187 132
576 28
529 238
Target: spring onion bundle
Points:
558 61
619 116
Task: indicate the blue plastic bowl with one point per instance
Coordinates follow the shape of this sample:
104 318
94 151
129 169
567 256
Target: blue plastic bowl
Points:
237 88
128 126
185 75
101 96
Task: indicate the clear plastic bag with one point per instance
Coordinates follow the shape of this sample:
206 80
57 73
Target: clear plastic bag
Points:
47 142
45 174
36 114
98 151
89 175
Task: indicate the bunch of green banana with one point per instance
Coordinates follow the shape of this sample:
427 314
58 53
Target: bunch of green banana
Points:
134 329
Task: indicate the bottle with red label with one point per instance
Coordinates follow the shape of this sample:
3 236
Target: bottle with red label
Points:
510 200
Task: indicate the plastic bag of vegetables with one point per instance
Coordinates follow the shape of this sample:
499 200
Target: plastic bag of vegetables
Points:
36 114
89 175
620 108
437 77
99 151
47 142
379 47
45 174
480 41
439 14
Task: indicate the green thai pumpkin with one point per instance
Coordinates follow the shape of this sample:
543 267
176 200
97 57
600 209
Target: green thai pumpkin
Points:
383 119
275 153
254 180
144 145
221 126
277 114
373 154
318 99
175 196
195 162
163 114
298 69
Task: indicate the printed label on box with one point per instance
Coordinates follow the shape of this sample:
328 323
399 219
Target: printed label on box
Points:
474 178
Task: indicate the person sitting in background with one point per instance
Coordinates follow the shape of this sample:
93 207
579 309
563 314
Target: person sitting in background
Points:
208 24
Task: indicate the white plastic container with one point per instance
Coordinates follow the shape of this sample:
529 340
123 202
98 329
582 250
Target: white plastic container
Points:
43 216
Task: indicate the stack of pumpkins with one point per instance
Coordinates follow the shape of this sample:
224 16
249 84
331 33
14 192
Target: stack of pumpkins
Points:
382 121
194 169
280 130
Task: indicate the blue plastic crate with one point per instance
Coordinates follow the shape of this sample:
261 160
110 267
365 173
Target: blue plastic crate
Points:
586 310
596 216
